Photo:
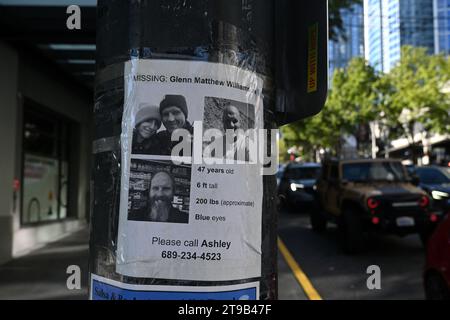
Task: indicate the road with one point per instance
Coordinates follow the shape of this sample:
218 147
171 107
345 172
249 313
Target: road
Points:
335 275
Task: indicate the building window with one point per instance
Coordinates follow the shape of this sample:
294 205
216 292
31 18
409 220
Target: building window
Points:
45 168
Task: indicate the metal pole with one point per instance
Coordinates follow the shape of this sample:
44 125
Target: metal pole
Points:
235 33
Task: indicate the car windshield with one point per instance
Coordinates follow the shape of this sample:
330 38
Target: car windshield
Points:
304 173
374 171
433 176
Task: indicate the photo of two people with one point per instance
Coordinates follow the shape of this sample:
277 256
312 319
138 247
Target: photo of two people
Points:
159 190
171 114
154 126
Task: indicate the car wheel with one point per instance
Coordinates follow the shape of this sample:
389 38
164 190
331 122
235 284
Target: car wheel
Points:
436 288
317 219
352 232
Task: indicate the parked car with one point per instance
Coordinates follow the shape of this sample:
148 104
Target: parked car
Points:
437 269
436 182
298 184
370 196
280 172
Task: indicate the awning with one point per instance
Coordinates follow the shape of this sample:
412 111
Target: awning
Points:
39 27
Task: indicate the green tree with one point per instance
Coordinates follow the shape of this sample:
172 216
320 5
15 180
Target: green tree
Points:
354 95
415 94
308 135
351 102
416 91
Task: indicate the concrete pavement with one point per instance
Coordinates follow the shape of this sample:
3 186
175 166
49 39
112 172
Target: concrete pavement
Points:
41 275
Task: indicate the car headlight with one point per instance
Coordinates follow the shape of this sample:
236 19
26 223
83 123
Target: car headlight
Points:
439 195
295 186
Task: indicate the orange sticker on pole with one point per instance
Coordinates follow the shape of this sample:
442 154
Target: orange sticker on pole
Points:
313 40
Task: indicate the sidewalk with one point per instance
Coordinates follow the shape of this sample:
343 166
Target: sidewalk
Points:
41 274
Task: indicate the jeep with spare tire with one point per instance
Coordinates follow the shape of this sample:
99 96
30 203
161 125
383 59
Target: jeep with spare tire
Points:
367 196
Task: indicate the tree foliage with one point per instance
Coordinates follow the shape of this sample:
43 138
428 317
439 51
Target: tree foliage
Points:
355 94
351 102
416 91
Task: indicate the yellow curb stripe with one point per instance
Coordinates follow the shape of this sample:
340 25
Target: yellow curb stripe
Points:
298 273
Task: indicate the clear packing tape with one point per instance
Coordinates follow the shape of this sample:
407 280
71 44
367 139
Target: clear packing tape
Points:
139 244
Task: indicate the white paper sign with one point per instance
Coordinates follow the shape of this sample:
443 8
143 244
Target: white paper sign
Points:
189 221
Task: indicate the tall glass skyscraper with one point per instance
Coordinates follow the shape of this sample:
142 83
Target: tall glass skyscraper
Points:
442 26
391 24
351 43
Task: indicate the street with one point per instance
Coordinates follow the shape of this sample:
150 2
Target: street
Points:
332 274
335 275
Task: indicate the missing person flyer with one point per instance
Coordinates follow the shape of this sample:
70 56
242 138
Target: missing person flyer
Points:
191 196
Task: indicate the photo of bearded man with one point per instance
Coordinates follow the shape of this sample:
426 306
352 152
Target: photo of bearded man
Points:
160 202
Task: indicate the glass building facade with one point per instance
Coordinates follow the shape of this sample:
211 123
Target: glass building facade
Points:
442 26
391 24
351 43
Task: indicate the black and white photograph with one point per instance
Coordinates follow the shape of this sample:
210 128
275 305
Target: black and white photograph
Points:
154 125
228 115
159 192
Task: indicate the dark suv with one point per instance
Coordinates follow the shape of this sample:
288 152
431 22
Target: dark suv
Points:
436 182
367 196
297 185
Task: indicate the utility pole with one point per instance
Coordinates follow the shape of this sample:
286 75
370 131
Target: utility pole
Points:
166 229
